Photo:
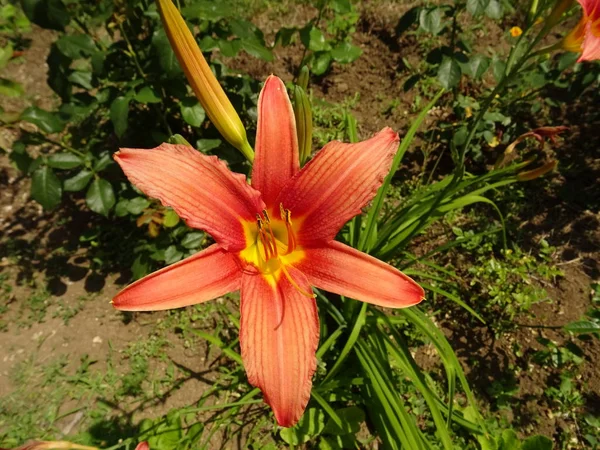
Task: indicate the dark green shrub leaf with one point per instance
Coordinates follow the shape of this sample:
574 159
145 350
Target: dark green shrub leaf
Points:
345 53
537 442
75 46
284 36
103 162
192 112
583 326
477 65
100 196
207 10
64 160
147 95
494 10
121 209
351 417
256 49
311 424
136 205
47 13
20 157
509 441
172 254
313 39
10 88
192 240
477 7
83 79
46 188
5 54
321 63
78 182
341 6
45 120
170 219
206 145
166 57
449 73
431 20
119 112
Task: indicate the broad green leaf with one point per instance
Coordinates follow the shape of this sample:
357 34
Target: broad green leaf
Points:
83 79
64 160
47 13
321 63
346 53
310 425
75 46
583 326
5 54
10 88
257 49
477 7
172 254
208 10
351 417
100 196
229 48
147 95
430 20
136 205
449 73
78 182
537 442
119 113
170 219
341 6
46 188
313 39
20 157
494 9
509 441
45 120
192 240
284 36
478 64
121 208
206 145
192 112
166 57
103 162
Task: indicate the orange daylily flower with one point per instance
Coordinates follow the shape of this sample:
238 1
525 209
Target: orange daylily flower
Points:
274 241
585 37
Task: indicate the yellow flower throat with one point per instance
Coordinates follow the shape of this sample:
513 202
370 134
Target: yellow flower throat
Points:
271 246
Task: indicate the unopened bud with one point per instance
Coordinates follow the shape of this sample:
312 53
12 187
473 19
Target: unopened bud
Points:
203 82
303 114
536 173
303 78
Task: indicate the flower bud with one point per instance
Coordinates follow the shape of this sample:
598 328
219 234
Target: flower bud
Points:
203 82
303 114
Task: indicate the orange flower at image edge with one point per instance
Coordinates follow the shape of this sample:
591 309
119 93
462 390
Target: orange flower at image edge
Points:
585 37
274 241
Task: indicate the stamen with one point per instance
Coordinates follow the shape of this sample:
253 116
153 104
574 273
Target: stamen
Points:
294 284
286 215
263 237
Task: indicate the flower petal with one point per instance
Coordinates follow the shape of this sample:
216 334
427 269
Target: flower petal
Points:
279 335
343 270
591 43
276 159
200 188
206 275
334 186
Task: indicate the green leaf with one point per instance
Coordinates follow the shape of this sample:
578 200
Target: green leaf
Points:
192 112
583 326
170 219
494 10
78 182
449 73
166 57
136 205
345 53
321 63
64 160
313 39
47 13
119 113
121 208
20 157
178 139
477 7
351 417
46 188
229 48
147 95
45 120
430 20
208 10
5 54
537 442
140 268
341 6
192 240
83 79
311 424
172 254
100 196
103 162
477 66
257 49
206 145
11 88
284 36
75 46
509 441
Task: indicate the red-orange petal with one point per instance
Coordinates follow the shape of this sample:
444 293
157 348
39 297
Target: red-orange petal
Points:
279 335
590 47
206 275
201 189
334 186
344 270
276 159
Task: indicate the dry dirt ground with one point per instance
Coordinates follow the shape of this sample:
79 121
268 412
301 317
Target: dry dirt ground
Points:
36 247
